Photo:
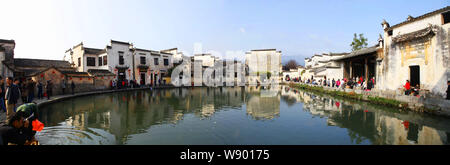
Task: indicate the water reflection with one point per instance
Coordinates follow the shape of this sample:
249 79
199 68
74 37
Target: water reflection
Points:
233 116
263 104
379 125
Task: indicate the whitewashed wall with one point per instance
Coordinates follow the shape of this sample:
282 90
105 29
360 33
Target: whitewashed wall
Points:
113 58
392 74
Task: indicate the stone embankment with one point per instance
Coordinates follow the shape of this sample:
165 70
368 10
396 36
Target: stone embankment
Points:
421 103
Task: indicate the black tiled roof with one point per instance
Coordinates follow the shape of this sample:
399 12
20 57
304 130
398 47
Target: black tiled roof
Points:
100 72
169 50
7 41
338 54
75 73
360 52
120 42
445 9
22 62
143 50
264 50
94 51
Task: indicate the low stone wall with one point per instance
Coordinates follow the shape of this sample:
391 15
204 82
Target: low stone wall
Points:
65 97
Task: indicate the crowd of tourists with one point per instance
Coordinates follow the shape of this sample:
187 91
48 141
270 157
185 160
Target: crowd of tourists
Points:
21 122
352 83
124 84
360 83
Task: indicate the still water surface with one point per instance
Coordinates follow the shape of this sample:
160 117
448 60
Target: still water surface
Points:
233 116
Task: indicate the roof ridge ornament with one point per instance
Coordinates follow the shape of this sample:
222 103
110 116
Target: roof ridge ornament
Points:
410 18
385 24
380 41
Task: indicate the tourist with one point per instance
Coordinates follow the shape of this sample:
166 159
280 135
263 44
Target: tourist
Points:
338 83
30 113
12 95
350 84
23 89
333 83
364 87
2 94
361 79
11 133
49 88
31 88
40 86
72 85
407 88
63 86
370 85
448 90
416 90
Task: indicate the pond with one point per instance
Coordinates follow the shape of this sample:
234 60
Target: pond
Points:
233 116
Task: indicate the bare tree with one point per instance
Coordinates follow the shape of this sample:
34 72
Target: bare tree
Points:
292 64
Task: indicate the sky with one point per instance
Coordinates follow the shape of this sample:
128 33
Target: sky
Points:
45 29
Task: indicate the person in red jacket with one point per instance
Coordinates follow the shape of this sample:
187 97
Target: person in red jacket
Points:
407 88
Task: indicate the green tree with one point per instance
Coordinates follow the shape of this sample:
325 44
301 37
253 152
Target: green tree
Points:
358 43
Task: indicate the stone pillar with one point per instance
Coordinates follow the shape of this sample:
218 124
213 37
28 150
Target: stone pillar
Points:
351 70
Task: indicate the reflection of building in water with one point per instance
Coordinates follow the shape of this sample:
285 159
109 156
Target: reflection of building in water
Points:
125 114
291 94
430 135
267 107
320 106
365 122
208 110
394 131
